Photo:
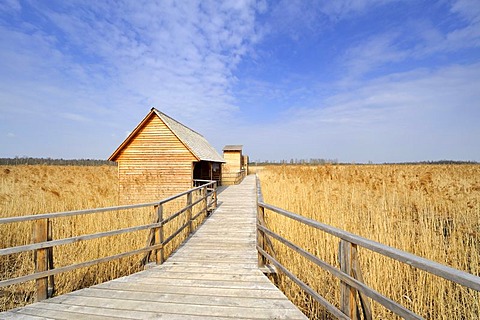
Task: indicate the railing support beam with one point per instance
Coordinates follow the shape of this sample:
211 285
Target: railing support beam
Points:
205 201
40 234
189 211
214 195
261 236
159 236
347 293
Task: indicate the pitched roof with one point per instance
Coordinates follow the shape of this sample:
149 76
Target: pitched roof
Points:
237 147
193 141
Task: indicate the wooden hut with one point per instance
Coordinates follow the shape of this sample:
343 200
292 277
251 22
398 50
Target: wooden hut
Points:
162 157
234 168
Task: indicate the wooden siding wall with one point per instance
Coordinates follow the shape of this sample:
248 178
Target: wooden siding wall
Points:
233 161
232 166
154 165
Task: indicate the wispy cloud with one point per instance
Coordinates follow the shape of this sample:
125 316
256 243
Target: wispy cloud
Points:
73 117
10 5
341 9
372 53
469 9
400 117
416 39
114 62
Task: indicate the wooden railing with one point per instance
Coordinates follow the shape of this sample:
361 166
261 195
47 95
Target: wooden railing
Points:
233 177
349 273
43 243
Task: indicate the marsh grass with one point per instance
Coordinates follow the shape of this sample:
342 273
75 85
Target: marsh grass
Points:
38 189
432 211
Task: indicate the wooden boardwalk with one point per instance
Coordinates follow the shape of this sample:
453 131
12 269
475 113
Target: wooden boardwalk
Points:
213 276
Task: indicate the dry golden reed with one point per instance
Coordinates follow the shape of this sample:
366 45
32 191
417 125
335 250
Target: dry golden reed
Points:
432 211
26 190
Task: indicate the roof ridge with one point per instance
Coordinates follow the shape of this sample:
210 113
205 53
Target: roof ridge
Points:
196 143
191 139
158 112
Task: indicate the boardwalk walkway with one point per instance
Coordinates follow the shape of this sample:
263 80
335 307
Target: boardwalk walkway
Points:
213 276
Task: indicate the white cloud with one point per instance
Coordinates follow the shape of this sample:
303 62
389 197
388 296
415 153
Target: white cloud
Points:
399 44
10 6
372 53
73 117
411 116
341 9
112 62
414 97
174 54
469 9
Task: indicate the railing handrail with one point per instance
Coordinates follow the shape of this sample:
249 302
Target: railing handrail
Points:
51 215
460 277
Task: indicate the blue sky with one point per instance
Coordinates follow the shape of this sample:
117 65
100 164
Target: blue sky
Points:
353 80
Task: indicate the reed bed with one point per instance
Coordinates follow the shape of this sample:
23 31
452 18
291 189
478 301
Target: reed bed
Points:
432 211
39 189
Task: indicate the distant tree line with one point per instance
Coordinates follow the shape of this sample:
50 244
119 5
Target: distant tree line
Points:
50 161
97 162
315 161
312 161
439 162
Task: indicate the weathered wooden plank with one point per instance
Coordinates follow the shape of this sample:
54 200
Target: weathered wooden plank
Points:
122 305
250 277
23 315
198 268
200 283
197 291
205 244
181 298
130 314
50 311
211 255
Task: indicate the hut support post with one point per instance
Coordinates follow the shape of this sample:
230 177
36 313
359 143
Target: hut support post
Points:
159 237
40 234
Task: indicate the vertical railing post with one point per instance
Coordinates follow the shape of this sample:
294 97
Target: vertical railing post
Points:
364 302
159 236
260 221
260 235
40 234
51 280
347 293
215 203
205 200
189 212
